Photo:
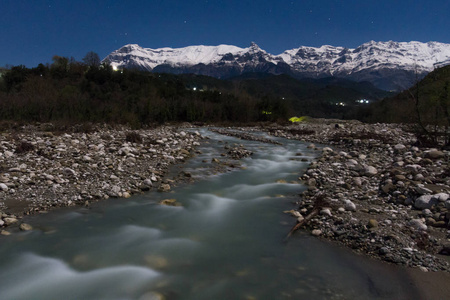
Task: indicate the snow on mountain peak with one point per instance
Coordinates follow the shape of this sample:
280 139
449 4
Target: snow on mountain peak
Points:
310 61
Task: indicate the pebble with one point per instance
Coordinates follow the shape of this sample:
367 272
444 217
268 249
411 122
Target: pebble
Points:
25 227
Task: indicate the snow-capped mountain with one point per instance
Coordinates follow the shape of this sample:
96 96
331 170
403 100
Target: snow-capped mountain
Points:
388 65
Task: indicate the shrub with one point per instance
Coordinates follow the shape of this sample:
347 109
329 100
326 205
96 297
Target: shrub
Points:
133 137
24 147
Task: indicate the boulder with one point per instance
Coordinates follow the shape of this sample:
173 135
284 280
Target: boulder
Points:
434 154
425 201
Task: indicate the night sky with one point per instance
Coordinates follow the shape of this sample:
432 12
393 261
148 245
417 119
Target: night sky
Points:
31 32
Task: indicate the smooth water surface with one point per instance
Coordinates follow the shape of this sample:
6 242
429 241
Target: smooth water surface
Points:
225 242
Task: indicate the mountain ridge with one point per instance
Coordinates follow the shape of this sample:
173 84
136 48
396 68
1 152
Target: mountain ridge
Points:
388 65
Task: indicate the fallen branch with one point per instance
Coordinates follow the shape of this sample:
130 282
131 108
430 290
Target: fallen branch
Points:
306 220
319 203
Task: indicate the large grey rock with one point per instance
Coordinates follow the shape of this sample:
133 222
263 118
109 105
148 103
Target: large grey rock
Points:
441 197
425 201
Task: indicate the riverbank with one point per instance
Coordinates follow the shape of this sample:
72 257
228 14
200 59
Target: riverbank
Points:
383 196
41 168
380 195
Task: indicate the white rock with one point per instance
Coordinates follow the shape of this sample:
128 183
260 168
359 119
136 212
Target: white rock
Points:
3 187
370 171
148 182
8 154
424 201
349 205
316 232
399 147
418 224
441 197
10 220
413 168
326 212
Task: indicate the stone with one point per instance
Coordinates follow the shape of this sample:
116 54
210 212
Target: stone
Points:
170 202
25 227
370 171
349 205
5 232
164 187
3 187
316 232
421 190
9 220
357 181
372 223
399 147
387 188
311 182
148 182
418 224
425 201
447 204
434 154
384 250
441 197
325 212
69 172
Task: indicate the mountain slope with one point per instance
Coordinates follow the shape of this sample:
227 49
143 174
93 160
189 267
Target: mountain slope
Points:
388 65
428 98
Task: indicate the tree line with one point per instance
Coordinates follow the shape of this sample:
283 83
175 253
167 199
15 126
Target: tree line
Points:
90 91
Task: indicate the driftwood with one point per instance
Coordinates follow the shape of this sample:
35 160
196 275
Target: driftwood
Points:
303 222
319 203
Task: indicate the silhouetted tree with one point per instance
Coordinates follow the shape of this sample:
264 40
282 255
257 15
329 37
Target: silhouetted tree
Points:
92 59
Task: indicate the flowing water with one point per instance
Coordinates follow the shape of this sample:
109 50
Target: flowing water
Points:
224 242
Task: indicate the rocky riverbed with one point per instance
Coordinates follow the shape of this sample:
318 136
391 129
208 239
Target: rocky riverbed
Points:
42 169
379 194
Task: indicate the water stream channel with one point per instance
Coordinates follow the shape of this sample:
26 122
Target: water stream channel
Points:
224 242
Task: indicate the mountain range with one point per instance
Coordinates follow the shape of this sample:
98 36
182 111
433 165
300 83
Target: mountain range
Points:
389 65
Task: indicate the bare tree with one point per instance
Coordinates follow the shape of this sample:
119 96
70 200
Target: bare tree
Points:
92 59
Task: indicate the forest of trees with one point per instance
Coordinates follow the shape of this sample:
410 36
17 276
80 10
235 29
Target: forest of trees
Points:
71 92
88 91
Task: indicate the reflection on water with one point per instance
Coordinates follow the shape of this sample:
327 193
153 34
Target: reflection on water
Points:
225 242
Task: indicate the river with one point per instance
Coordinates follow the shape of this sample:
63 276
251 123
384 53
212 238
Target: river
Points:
226 241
